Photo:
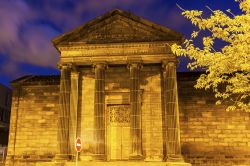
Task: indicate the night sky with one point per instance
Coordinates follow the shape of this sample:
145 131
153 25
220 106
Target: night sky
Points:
27 27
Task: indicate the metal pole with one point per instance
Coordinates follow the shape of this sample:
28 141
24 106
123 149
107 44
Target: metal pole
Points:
76 157
3 155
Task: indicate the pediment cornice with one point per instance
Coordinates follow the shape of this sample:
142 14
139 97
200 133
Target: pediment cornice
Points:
117 27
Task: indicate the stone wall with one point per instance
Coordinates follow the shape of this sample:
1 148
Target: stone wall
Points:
33 129
152 113
209 134
86 105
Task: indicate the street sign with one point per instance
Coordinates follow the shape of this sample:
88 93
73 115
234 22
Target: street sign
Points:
78 144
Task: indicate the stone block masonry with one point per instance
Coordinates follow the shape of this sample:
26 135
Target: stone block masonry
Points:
33 130
209 134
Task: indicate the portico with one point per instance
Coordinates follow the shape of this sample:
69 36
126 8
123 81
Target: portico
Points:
118 91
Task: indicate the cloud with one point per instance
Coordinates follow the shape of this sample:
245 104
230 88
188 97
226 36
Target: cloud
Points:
12 15
35 47
26 40
27 26
176 20
10 68
89 6
22 40
69 14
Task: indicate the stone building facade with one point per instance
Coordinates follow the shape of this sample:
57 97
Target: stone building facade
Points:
118 92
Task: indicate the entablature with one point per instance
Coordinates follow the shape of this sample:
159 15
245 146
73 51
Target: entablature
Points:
90 50
116 53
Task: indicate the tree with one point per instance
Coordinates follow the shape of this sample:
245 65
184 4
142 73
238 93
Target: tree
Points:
227 69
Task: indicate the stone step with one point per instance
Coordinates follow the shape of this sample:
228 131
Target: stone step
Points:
113 163
117 163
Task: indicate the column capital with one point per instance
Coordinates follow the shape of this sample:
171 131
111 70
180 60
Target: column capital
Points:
66 66
137 65
169 63
75 73
100 65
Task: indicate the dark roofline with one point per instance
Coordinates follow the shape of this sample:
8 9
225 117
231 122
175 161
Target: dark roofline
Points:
2 85
21 79
37 80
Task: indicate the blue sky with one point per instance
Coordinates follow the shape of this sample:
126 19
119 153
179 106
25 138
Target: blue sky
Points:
27 27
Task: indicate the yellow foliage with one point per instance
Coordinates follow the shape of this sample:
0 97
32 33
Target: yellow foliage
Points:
227 69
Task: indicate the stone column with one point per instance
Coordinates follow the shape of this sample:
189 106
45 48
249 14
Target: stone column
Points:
73 110
171 109
99 111
135 116
63 114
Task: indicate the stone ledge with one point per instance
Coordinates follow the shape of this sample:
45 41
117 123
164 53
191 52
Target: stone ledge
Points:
178 164
113 163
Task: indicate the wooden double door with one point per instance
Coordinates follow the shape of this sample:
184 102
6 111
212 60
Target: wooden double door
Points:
119 131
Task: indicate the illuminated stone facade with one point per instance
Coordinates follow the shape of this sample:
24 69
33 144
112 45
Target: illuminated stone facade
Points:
118 93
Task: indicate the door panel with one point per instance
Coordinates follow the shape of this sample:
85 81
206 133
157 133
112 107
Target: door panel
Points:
125 143
115 136
119 121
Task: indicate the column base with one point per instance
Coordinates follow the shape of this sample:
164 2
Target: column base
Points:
153 158
136 157
62 157
179 163
174 158
99 157
86 158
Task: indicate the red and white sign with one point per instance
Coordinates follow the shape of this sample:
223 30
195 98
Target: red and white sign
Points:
78 144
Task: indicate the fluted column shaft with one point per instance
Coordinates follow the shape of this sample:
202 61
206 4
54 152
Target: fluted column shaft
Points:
99 112
135 116
173 148
73 110
63 114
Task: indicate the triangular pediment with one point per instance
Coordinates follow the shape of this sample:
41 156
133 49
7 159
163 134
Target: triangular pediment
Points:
117 27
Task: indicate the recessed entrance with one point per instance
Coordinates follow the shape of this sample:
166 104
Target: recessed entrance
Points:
119 126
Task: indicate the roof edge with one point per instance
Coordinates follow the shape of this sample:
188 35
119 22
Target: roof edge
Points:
56 41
